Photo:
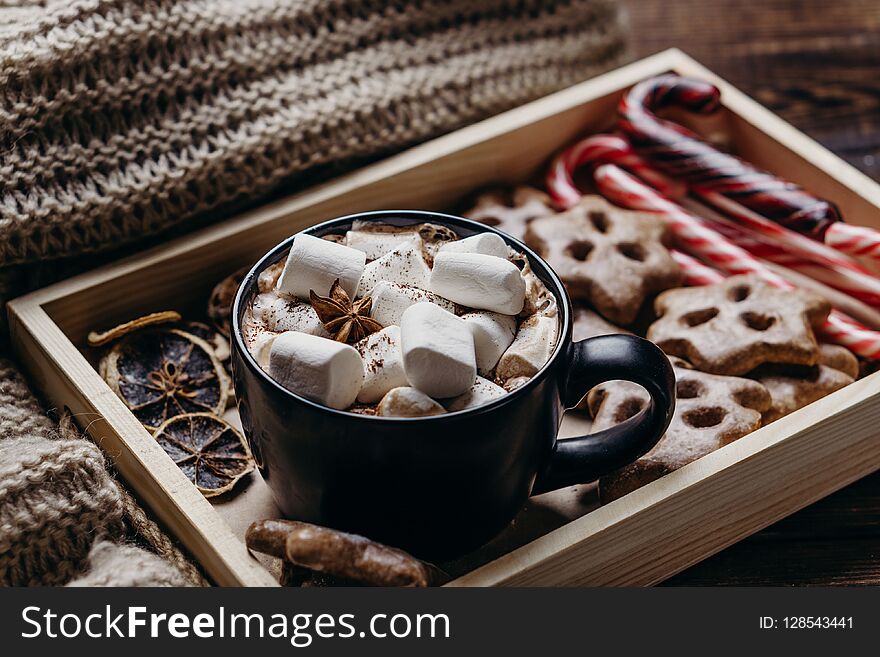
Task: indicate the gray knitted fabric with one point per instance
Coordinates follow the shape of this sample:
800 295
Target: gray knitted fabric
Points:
60 508
56 495
111 564
119 118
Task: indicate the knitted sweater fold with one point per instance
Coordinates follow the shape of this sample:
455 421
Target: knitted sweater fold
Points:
121 118
56 496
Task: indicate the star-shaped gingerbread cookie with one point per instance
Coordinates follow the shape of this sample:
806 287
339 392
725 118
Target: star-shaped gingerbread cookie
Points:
794 386
589 324
710 411
734 326
511 212
611 257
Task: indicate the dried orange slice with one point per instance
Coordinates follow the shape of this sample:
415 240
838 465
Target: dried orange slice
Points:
220 301
207 449
99 339
163 373
212 336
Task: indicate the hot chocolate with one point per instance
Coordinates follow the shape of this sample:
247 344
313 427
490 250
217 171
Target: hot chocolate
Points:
401 321
466 378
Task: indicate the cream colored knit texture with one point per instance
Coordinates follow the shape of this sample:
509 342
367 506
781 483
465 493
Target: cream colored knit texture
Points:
111 564
119 118
56 496
59 507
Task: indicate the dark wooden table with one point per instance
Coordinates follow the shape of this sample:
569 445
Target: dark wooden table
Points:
817 64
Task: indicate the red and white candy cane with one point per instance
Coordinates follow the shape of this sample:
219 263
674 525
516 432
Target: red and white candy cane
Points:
839 238
695 272
855 240
625 190
788 248
723 180
682 154
603 148
795 242
856 282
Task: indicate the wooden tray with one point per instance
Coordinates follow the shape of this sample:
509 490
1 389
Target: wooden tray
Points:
560 538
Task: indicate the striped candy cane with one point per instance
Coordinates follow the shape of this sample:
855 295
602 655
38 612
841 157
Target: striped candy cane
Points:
857 283
682 154
723 180
603 148
785 246
855 240
695 272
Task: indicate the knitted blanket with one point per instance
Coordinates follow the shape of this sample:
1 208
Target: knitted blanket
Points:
63 517
122 118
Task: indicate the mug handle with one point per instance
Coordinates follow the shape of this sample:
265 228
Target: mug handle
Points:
594 361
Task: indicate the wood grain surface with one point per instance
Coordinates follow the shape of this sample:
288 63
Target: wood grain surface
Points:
816 64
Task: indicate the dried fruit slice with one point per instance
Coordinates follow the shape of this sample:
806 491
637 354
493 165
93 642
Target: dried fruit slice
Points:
219 344
210 335
99 339
220 301
160 374
209 451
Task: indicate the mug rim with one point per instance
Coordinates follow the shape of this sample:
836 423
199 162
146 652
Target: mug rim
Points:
325 227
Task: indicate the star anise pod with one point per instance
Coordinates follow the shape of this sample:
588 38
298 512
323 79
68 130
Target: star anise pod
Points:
345 321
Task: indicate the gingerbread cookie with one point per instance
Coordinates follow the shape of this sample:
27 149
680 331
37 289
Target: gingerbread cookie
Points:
794 386
839 358
611 257
736 325
511 212
710 412
590 324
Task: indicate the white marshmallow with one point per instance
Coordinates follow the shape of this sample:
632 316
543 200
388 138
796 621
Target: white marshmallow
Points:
438 351
319 369
480 281
391 299
493 333
481 392
383 364
408 402
512 384
260 347
485 243
531 349
313 264
376 243
404 265
280 314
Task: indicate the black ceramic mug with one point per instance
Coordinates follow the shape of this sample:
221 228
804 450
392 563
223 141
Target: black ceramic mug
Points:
441 485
